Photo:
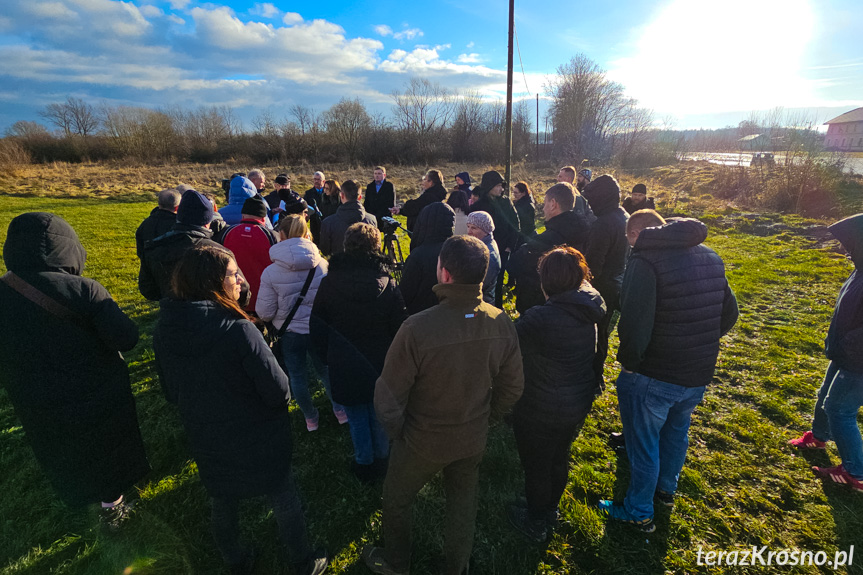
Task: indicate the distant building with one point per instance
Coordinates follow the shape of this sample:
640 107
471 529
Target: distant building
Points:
845 132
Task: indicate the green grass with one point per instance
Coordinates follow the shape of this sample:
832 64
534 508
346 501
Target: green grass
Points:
741 486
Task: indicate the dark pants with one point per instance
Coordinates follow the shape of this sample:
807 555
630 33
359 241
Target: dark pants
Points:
289 517
498 288
545 452
603 331
408 472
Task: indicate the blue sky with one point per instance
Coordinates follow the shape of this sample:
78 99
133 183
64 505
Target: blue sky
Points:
695 63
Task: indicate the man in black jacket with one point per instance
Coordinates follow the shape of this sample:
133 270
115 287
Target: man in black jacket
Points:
675 306
161 254
350 212
433 191
562 227
380 195
434 226
606 256
314 196
160 221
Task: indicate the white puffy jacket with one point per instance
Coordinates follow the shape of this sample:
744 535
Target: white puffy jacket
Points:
283 280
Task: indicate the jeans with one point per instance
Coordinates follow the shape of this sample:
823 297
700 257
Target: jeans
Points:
408 472
545 453
289 517
839 400
296 354
655 417
370 439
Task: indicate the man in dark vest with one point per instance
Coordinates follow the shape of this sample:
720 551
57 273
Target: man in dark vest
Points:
675 305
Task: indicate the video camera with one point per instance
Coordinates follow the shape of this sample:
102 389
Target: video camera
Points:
389 225
226 183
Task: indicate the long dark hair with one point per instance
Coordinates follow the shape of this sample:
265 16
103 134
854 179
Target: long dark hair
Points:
200 276
458 200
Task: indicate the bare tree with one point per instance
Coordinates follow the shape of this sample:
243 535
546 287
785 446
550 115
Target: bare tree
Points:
26 130
422 111
60 116
303 115
140 132
469 119
347 122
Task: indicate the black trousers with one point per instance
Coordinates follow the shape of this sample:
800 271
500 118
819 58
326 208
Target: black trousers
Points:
544 452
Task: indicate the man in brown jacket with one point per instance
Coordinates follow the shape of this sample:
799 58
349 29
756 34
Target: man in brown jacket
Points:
450 370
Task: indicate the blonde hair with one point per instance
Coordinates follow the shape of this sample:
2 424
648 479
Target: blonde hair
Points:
293 226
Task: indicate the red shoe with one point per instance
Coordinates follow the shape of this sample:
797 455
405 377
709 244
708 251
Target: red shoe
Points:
808 441
839 475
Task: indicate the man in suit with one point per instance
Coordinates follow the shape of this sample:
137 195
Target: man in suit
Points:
380 195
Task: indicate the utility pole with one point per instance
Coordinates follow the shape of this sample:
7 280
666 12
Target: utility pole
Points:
537 126
508 136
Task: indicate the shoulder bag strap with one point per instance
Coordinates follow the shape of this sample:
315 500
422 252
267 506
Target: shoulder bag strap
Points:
299 301
47 303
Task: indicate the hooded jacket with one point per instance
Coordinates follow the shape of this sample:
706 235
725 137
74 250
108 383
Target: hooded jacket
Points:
566 228
159 222
357 311
558 346
332 240
607 246
241 190
66 380
412 208
283 280
435 224
675 305
162 254
844 342
232 396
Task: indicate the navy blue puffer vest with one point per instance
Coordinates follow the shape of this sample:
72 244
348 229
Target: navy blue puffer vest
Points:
690 290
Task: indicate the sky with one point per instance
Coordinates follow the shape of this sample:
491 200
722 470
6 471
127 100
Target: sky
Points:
695 63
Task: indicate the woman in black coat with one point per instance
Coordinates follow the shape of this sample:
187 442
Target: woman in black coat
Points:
232 395
525 207
64 373
357 311
558 346
433 191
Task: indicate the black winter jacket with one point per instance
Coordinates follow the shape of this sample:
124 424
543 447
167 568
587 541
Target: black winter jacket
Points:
567 228
844 343
675 305
159 222
435 224
357 311
526 209
232 397
607 246
558 346
162 254
329 205
334 227
412 208
506 223
67 381
378 203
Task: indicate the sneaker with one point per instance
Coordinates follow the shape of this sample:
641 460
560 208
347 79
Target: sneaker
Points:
377 563
619 513
664 498
551 518
112 518
315 565
341 415
312 424
617 441
534 529
839 475
808 441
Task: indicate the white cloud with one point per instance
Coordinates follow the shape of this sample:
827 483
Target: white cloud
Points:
265 10
383 30
408 34
469 45
425 61
292 18
179 4
468 58
52 10
176 19
221 28
682 65
150 11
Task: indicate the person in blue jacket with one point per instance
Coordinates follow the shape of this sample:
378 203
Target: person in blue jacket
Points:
841 394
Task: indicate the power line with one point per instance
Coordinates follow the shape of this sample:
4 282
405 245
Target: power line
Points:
523 75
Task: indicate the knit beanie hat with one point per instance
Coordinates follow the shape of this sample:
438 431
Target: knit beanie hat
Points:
255 207
195 209
639 189
586 173
282 179
481 220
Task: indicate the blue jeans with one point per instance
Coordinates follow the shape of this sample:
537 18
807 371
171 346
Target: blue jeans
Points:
655 417
296 354
370 439
839 400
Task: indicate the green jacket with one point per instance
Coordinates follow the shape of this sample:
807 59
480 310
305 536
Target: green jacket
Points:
449 370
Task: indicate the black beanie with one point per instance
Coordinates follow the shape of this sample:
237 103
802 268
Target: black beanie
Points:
639 189
195 209
255 207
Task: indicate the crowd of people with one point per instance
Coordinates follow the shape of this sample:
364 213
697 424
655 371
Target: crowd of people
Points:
256 295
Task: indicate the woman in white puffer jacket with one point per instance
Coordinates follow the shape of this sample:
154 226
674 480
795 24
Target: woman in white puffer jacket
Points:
281 284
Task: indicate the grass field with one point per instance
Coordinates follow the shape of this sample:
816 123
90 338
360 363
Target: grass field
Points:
742 486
